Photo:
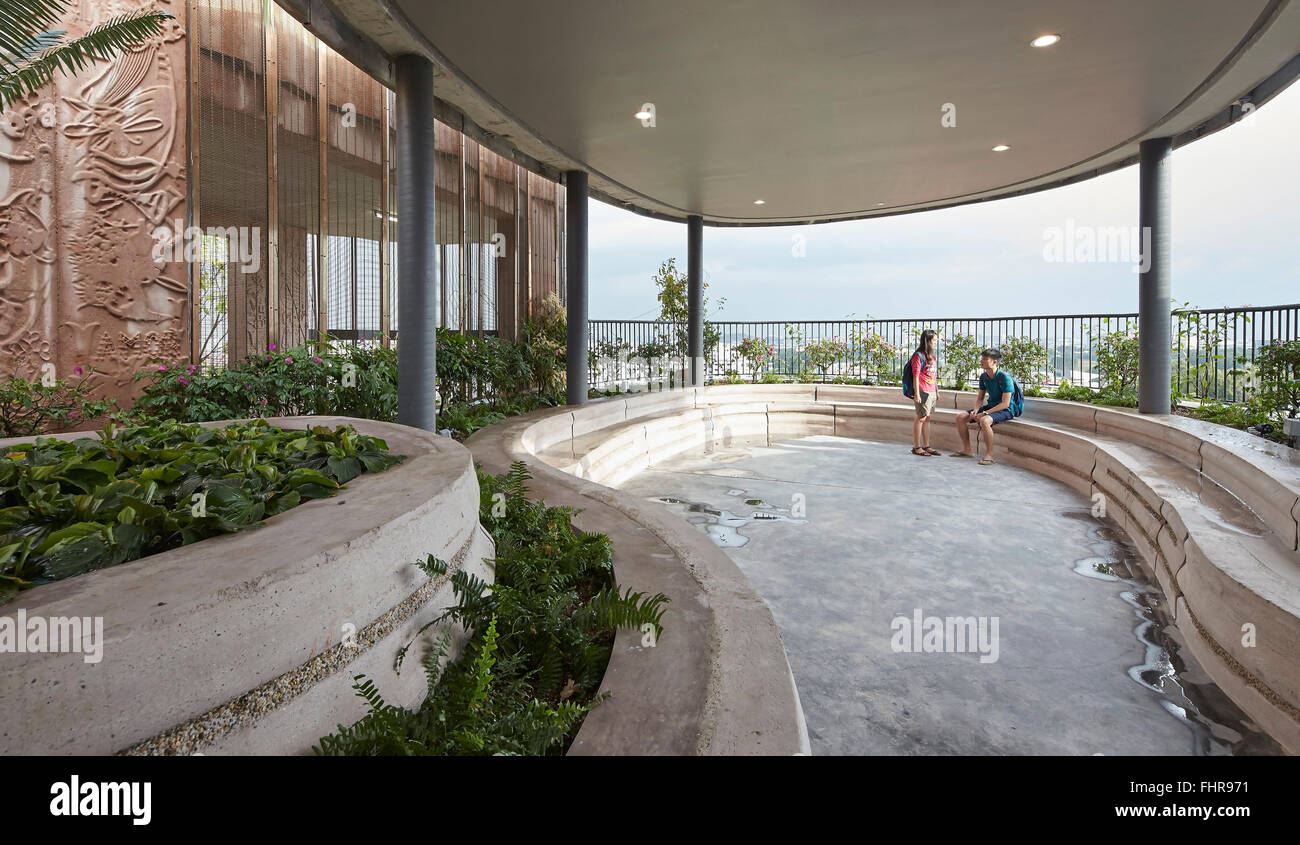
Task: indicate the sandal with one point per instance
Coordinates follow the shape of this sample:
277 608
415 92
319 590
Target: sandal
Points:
986 462
962 455
917 450
931 452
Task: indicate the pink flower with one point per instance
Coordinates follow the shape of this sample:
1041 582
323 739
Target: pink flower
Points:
183 380
191 368
263 400
248 387
317 360
288 360
72 415
271 347
162 368
78 371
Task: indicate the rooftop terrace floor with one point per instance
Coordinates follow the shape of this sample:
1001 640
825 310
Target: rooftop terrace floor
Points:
1086 660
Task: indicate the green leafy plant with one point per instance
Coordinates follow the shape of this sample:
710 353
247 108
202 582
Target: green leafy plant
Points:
68 507
319 378
47 405
1073 393
541 635
1238 415
32 50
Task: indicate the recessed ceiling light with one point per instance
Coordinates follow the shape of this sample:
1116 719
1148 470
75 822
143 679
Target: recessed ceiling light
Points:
880 203
1045 40
1001 148
760 202
643 115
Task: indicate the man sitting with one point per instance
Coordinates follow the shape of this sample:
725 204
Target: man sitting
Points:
992 406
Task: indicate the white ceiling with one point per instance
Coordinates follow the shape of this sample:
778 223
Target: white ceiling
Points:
830 109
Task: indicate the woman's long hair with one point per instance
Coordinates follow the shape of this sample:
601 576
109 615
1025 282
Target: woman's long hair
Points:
926 346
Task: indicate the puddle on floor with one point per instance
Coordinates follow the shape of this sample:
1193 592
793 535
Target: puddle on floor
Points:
723 526
1217 726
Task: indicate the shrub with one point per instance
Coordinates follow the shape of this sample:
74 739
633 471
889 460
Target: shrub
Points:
541 637
1025 358
343 380
68 507
1278 370
38 407
1237 416
872 353
1074 393
1117 354
543 340
961 357
823 354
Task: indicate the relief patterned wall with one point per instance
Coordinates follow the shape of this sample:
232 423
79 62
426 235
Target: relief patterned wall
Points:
89 168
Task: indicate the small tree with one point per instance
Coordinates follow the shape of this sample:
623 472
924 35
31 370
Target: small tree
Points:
1203 341
674 307
755 352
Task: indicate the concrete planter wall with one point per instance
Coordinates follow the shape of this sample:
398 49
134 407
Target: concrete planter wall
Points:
236 644
1212 511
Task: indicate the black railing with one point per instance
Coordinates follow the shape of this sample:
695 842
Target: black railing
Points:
1212 350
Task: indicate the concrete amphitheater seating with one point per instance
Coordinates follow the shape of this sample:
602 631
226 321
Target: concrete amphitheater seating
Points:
1212 511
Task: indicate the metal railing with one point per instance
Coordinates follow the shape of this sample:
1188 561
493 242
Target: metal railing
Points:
1212 348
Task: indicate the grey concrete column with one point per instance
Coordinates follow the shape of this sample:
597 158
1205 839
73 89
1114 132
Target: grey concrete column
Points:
575 285
417 246
695 298
1153 284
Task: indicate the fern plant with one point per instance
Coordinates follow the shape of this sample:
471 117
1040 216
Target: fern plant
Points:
541 637
32 51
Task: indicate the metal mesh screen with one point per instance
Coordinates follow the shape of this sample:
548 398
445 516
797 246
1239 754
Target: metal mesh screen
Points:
300 216
232 176
498 209
297 170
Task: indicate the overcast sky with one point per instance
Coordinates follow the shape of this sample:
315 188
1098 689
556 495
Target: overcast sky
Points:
1236 197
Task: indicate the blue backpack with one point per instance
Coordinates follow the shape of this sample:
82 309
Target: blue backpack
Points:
1017 398
909 384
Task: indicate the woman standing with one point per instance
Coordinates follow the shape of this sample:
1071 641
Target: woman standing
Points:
924 379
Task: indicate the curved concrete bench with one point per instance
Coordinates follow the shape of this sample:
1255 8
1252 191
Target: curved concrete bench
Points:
236 644
1212 511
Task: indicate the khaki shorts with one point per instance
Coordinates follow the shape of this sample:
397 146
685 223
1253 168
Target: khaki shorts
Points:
925 407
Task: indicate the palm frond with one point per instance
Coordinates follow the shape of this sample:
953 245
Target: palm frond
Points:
24 75
21 20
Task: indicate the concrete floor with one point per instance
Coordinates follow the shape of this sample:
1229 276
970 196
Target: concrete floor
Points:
1085 664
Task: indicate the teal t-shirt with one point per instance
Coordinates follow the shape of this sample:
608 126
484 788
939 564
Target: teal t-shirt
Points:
994 388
